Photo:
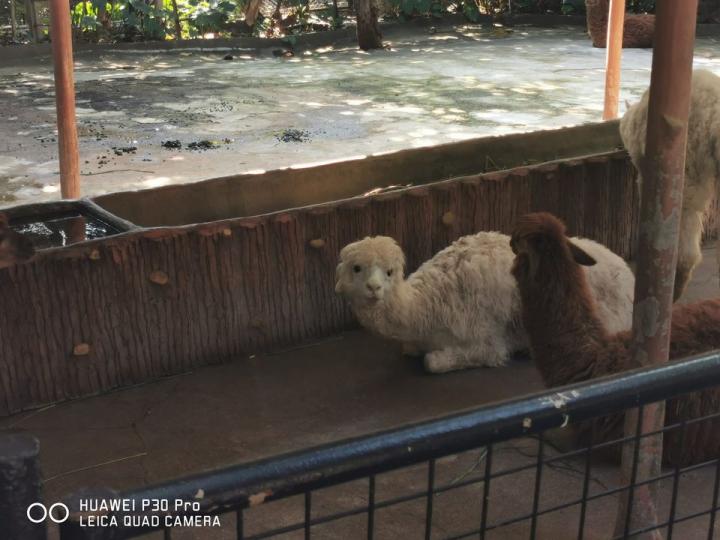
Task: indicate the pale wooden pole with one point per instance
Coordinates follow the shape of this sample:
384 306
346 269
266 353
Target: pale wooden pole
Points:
61 36
663 171
614 42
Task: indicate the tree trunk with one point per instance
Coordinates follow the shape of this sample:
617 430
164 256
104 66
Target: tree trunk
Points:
176 16
368 29
251 12
13 22
31 19
159 5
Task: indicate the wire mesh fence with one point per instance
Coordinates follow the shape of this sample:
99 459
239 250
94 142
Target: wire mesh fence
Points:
504 491
509 470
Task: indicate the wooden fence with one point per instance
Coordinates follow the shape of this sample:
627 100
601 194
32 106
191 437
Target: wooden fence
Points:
153 302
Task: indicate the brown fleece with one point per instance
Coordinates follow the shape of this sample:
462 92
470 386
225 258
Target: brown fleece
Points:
569 343
637 33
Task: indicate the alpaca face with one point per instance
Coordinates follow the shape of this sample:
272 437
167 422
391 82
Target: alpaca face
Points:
14 247
369 269
539 239
369 284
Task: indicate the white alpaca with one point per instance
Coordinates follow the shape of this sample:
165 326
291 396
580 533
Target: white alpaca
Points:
702 164
462 307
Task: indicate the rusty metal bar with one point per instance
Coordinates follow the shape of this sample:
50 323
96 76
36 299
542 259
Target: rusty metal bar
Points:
613 60
61 35
662 190
279 477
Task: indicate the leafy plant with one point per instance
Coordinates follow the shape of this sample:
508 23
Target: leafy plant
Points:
536 6
471 11
577 7
84 16
407 9
573 7
209 16
490 7
641 6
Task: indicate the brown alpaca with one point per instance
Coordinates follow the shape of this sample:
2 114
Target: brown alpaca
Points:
638 31
14 247
569 343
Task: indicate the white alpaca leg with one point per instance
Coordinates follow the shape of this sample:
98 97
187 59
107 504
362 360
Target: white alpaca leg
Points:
689 250
441 361
453 358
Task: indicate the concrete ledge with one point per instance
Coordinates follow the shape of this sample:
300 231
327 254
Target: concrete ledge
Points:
19 53
16 54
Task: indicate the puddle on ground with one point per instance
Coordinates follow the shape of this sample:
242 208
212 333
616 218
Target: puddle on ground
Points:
63 231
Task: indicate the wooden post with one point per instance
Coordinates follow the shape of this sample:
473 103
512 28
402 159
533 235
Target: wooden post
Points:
613 59
73 527
21 487
61 36
663 178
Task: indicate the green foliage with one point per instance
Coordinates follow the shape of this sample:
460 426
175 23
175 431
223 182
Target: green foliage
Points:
144 19
490 7
573 7
209 15
119 21
641 6
536 6
577 7
406 9
524 5
84 16
471 11
139 20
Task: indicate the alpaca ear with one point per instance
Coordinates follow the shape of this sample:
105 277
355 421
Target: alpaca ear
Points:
580 256
338 281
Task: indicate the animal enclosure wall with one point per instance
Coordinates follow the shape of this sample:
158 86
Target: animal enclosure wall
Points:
153 302
254 194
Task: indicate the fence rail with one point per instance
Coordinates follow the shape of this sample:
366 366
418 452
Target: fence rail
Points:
236 489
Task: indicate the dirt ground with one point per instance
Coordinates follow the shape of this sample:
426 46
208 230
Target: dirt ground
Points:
258 111
346 386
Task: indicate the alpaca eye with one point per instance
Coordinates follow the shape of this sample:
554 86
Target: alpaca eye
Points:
389 272
357 268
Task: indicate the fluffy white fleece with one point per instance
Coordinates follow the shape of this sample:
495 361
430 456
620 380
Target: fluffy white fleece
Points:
462 307
702 164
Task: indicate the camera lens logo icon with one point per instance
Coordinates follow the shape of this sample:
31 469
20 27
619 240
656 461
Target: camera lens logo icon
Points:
58 512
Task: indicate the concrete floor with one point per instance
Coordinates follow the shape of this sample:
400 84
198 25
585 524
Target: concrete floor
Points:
346 386
459 83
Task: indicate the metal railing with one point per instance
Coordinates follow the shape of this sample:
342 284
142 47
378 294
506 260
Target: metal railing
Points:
241 491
